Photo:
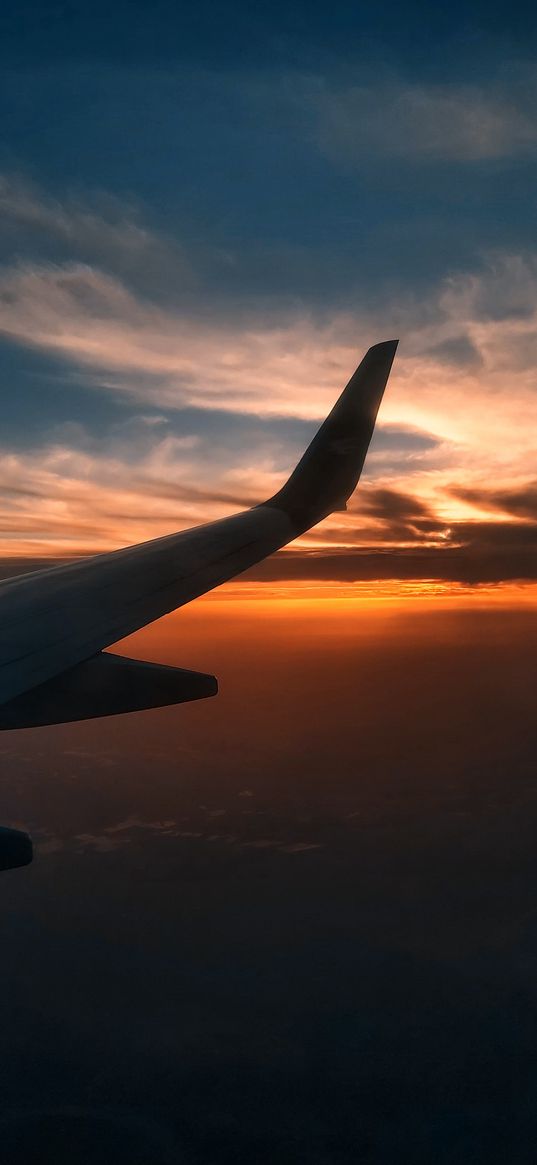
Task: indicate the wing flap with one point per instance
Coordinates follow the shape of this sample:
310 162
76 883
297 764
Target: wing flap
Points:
105 686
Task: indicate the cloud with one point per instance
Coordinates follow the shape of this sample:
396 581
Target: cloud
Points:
97 230
393 536
131 346
444 427
152 354
86 309
78 494
73 500
112 226
458 352
519 503
420 123
394 518
488 559
460 412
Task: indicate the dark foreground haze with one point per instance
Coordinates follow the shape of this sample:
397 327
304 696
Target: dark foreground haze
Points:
295 923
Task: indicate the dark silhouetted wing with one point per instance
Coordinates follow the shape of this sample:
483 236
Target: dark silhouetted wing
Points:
59 620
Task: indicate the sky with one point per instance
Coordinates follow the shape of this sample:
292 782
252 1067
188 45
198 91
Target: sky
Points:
295 922
208 213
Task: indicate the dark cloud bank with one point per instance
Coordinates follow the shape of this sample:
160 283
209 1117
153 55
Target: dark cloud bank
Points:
397 536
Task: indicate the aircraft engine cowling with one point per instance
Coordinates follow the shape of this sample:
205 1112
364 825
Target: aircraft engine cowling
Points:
15 848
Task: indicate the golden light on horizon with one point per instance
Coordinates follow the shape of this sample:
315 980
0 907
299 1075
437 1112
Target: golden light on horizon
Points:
333 597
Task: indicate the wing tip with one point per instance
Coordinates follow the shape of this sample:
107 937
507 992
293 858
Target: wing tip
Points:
384 347
328 472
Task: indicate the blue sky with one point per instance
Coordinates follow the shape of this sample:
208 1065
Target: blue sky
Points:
208 212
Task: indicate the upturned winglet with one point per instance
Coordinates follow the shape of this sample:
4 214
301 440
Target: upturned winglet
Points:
328 472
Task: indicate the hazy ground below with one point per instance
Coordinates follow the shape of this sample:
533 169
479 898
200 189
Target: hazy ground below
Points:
295 923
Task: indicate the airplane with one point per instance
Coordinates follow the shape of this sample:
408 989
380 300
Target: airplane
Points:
57 622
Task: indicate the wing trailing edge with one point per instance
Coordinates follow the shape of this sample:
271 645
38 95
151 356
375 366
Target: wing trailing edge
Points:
105 685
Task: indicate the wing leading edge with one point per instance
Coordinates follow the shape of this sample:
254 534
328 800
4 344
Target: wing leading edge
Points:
55 623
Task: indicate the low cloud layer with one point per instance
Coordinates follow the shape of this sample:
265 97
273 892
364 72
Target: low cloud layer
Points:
394 537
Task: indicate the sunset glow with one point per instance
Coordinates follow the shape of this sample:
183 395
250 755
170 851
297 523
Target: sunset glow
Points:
209 414
282 902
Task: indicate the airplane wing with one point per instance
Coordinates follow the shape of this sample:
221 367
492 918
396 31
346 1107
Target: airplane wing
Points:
56 623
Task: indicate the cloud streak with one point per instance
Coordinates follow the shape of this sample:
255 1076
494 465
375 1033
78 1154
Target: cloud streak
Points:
463 392
419 123
132 346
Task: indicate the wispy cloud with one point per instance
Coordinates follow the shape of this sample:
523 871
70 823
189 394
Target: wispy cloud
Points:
481 324
153 354
110 226
441 122
99 230
463 385
61 500
465 372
